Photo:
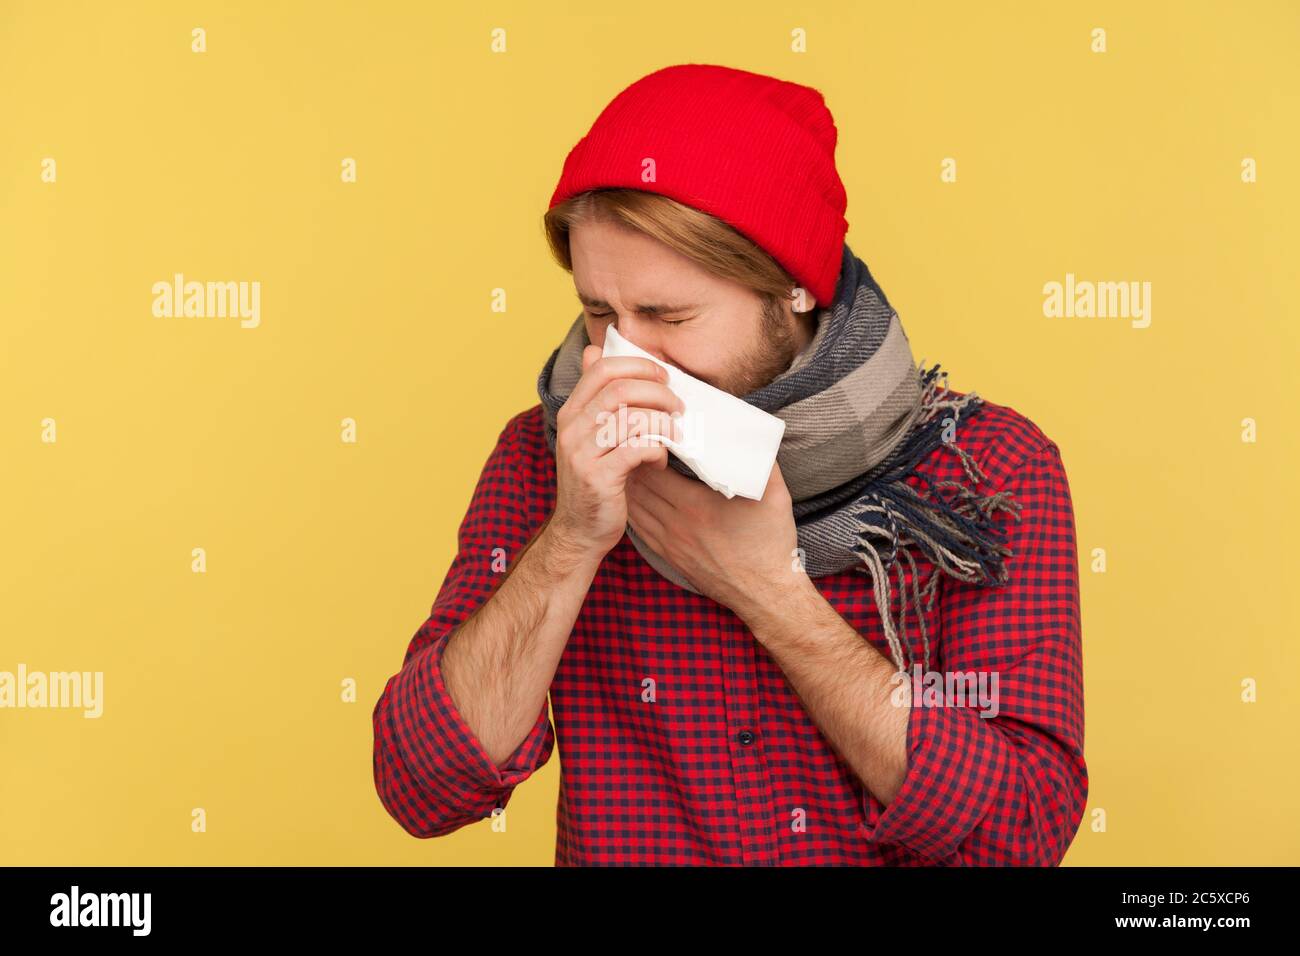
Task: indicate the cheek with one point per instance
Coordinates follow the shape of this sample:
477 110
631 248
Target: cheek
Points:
704 355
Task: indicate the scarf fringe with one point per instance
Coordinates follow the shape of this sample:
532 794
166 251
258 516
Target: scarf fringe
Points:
953 524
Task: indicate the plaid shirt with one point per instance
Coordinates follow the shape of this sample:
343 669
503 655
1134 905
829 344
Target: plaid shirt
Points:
724 765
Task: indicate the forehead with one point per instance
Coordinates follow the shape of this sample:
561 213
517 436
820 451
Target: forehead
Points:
626 267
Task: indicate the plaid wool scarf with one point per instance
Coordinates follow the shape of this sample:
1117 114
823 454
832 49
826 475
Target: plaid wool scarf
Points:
859 417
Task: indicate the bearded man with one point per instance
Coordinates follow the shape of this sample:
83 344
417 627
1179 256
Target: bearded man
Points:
737 681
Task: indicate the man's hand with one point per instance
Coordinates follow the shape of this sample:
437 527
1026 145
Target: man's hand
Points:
590 511
739 552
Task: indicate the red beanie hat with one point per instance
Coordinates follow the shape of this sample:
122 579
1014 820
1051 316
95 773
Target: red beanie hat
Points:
754 151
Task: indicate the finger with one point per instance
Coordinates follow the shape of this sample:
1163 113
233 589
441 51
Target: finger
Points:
650 486
594 435
604 370
636 391
620 461
663 510
775 483
646 524
634 425
677 489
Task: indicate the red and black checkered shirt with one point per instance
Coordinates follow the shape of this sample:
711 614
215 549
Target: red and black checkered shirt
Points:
724 765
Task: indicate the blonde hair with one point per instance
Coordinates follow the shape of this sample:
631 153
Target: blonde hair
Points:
704 239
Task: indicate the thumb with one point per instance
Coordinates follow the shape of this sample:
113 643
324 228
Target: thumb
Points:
589 355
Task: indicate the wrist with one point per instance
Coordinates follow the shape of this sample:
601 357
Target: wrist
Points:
791 598
564 553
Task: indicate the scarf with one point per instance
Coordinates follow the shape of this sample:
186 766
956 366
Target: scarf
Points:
859 416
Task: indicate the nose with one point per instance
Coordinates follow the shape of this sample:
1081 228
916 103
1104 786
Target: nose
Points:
642 332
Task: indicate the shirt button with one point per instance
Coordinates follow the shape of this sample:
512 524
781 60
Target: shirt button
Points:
745 737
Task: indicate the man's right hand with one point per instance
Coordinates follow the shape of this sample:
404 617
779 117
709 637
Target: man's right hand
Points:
591 471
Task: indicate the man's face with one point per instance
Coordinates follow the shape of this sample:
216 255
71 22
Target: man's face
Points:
711 328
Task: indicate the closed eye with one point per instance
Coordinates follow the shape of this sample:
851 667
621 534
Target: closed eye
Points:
610 315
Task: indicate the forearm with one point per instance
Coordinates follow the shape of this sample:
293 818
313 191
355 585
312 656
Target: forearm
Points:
845 684
499 664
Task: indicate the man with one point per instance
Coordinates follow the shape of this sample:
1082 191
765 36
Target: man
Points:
877 663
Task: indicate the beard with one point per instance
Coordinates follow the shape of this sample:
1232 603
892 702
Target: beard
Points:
771 353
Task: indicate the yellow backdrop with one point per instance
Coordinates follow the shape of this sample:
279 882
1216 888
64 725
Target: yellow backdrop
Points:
135 149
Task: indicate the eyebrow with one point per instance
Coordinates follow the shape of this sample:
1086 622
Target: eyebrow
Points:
651 308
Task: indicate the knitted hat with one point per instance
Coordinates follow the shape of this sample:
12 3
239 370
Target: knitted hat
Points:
754 151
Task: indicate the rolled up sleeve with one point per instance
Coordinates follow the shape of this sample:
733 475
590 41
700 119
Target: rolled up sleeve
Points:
1009 788
431 772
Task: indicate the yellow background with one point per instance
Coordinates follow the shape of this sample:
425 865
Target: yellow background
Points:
222 690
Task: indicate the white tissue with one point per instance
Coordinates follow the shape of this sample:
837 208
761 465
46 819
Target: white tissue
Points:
728 443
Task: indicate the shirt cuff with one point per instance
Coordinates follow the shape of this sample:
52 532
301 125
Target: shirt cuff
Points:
439 746
957 764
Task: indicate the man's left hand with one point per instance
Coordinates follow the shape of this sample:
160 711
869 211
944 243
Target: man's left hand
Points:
739 552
